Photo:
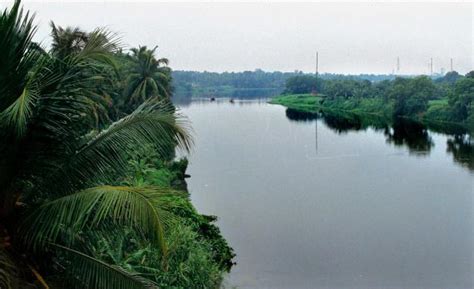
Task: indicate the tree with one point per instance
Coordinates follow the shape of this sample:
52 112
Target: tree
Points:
58 161
450 78
411 95
302 84
148 76
67 41
470 74
462 98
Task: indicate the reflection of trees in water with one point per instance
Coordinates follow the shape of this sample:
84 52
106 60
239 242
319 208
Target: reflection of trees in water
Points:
296 115
462 148
343 124
337 122
412 134
401 132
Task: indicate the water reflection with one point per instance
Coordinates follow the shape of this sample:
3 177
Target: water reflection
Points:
399 132
342 124
296 115
411 134
462 148
186 102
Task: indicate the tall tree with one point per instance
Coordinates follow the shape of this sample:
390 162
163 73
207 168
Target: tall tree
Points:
149 76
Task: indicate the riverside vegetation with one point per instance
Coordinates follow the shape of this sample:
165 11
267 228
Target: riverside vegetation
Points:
90 193
446 102
246 84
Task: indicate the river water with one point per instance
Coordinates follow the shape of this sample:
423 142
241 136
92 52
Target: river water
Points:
325 203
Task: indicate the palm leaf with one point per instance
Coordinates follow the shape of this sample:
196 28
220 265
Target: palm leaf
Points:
16 54
106 154
94 273
8 271
140 208
17 115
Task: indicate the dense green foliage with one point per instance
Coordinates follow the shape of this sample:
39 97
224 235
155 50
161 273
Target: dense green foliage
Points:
89 195
446 99
303 84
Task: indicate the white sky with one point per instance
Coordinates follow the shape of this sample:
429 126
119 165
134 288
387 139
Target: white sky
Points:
362 37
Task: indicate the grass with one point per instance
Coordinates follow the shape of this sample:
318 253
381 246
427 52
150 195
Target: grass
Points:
303 102
311 103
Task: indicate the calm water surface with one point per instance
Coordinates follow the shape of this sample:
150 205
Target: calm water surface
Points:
317 204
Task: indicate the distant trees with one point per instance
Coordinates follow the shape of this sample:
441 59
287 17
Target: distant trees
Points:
189 84
449 78
398 97
249 83
303 83
470 74
348 88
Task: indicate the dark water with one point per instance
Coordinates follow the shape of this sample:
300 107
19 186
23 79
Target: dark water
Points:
331 203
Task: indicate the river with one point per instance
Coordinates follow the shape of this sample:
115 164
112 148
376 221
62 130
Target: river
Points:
322 203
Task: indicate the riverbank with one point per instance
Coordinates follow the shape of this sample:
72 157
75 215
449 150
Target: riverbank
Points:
376 109
198 256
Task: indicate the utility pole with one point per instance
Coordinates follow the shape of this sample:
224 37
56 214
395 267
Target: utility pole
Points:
451 64
398 65
316 120
431 66
316 134
317 63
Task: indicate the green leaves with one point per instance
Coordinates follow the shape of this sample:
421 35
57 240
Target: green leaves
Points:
106 154
63 219
93 273
17 115
17 59
59 149
17 56
149 77
8 270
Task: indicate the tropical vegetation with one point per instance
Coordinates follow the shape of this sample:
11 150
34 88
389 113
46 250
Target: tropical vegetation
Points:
90 194
248 84
446 99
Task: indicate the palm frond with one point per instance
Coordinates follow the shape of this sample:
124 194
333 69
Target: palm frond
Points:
17 56
8 271
64 218
93 273
99 46
106 154
17 115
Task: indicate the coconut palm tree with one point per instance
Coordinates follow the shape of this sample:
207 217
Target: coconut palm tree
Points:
66 41
59 158
150 77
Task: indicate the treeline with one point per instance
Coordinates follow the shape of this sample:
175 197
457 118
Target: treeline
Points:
247 84
256 83
90 196
448 98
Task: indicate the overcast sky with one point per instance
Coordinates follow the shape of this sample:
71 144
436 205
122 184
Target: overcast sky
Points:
350 37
